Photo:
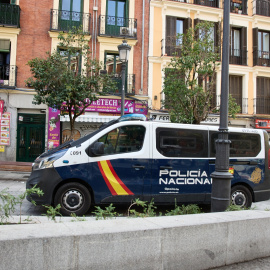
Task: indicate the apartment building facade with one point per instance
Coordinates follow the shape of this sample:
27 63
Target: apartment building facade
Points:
249 69
30 29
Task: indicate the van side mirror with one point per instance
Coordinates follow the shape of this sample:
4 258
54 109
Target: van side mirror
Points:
96 149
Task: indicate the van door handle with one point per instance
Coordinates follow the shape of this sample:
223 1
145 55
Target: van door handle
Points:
166 167
138 167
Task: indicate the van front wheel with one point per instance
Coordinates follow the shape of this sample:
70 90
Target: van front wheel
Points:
73 198
241 196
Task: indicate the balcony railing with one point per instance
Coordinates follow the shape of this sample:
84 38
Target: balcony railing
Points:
208 3
63 20
130 84
8 76
171 46
117 27
9 15
238 57
262 105
261 58
261 7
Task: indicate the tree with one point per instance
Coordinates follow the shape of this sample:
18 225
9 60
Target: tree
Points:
190 76
62 82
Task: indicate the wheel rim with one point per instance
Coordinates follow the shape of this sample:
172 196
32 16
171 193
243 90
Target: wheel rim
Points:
239 198
72 200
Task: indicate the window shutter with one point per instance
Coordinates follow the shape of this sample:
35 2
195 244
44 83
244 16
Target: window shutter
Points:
187 24
217 29
13 2
196 21
244 46
170 34
255 46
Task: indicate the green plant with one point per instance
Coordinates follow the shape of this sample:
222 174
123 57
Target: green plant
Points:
184 210
108 212
9 201
7 206
28 192
76 218
52 212
148 208
233 207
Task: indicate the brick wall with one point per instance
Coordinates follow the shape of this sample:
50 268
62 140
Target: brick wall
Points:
33 40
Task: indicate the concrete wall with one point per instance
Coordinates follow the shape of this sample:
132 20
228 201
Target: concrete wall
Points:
177 242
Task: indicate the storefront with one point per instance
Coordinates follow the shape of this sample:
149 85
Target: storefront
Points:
101 111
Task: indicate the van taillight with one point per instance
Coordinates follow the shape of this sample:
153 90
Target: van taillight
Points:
269 159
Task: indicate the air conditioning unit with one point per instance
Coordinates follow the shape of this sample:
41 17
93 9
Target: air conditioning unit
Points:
125 31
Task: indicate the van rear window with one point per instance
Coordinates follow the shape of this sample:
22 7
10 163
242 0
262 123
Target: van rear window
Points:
182 143
242 144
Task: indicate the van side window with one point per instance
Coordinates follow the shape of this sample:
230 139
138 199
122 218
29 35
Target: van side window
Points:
242 144
123 140
182 142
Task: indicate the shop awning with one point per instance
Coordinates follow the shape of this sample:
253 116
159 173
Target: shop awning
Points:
90 118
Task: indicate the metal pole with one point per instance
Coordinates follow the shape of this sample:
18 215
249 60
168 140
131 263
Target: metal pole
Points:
221 187
123 89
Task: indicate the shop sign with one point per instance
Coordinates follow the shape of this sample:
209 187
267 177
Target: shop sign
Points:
2 102
160 117
53 128
5 128
262 123
110 105
211 120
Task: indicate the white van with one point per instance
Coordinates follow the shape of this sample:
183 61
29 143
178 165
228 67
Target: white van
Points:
132 158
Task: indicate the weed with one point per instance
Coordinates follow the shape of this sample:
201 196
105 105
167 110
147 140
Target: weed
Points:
9 201
108 212
52 212
184 210
148 208
76 218
233 207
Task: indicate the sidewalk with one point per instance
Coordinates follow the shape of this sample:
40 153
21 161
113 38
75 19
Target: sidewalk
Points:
15 166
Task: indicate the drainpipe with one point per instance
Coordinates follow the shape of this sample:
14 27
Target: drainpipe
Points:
142 46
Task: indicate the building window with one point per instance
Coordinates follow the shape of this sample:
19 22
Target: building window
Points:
263 45
263 95
235 86
174 28
73 60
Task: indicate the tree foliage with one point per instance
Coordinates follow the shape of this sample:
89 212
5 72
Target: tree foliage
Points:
62 82
190 76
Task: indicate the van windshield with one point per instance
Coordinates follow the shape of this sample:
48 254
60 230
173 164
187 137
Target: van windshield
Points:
72 143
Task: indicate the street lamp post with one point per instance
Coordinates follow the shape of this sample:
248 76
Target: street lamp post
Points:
221 187
124 50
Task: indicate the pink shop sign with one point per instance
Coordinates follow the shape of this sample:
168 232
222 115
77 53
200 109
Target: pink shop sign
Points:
114 106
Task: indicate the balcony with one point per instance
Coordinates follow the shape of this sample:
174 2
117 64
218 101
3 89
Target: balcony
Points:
63 20
208 3
9 15
238 6
117 27
171 46
8 75
262 105
261 7
238 57
130 84
261 58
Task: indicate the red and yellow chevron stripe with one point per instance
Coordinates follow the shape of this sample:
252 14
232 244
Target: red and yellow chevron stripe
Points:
114 183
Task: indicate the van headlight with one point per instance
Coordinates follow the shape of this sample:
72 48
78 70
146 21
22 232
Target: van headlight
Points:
47 162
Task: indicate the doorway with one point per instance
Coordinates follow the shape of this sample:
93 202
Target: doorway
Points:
30 136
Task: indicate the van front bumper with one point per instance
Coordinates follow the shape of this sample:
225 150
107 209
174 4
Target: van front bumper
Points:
45 179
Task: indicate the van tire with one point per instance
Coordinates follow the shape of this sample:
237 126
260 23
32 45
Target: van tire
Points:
241 196
73 198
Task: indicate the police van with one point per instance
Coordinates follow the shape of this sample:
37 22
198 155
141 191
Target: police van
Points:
130 158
